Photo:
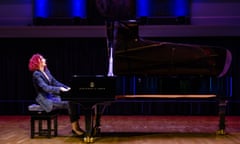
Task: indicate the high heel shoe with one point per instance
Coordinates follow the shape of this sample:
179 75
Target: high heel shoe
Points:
78 133
76 130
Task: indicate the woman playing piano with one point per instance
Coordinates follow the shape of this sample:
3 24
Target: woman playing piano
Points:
48 90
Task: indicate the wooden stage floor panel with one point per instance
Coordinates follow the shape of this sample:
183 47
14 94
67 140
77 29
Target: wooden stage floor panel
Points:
130 129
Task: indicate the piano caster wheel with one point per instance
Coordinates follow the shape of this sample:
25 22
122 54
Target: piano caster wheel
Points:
88 139
221 132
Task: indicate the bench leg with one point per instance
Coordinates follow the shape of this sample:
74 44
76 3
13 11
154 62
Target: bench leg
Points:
40 129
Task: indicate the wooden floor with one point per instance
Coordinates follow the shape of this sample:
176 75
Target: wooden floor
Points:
130 129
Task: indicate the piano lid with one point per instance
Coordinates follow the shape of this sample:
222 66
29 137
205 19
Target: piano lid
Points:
134 55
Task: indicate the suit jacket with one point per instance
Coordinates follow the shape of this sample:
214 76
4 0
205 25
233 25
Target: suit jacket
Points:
48 89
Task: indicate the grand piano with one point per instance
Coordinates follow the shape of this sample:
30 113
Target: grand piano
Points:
145 69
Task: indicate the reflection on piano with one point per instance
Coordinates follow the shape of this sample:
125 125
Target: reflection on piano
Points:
134 55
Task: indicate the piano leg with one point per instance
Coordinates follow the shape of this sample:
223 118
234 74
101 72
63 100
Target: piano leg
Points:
93 121
222 111
89 125
97 120
98 112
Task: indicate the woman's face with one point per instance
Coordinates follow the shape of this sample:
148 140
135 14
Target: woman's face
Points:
43 62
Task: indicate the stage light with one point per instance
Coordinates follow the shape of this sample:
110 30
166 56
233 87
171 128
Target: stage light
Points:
79 8
181 7
40 8
142 8
148 8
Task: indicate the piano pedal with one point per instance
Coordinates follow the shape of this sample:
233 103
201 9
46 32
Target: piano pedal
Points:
221 132
88 139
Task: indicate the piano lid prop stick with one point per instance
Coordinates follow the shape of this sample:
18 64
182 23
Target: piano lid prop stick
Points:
110 39
110 67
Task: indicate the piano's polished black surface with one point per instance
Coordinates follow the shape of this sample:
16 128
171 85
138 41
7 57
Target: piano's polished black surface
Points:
91 89
93 93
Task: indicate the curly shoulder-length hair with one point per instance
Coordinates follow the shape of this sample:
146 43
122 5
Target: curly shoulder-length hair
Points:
34 62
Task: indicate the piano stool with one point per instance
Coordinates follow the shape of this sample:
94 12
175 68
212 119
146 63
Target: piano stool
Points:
47 122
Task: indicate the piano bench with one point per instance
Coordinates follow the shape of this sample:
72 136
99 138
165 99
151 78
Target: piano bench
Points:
46 123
